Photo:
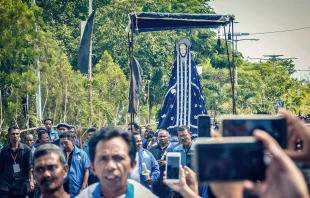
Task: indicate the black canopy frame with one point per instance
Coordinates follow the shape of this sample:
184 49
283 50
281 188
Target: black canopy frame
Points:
158 21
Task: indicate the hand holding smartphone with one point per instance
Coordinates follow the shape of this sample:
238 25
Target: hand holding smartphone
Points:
229 159
245 126
204 126
173 162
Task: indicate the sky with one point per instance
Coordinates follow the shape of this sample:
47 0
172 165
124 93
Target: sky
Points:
256 16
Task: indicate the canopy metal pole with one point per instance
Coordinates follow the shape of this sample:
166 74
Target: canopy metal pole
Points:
233 68
131 47
230 72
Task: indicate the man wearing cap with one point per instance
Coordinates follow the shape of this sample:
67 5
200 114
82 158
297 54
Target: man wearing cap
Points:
62 127
53 135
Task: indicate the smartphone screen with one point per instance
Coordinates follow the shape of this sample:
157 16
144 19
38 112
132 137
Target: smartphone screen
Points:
173 163
204 125
230 161
245 127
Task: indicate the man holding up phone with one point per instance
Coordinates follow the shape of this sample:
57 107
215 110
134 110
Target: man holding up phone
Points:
145 163
160 152
186 148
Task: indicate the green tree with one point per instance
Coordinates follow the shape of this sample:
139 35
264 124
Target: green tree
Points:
110 92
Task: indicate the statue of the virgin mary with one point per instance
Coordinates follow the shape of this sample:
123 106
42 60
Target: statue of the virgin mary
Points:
184 100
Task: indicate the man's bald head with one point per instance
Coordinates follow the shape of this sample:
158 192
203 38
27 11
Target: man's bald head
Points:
163 137
163 131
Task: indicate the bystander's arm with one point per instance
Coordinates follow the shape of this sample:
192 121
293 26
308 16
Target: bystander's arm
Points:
31 182
182 187
30 170
85 179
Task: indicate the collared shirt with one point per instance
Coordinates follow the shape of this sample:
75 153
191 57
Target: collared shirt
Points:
10 181
86 149
79 163
186 157
33 149
53 135
138 191
174 139
174 143
77 142
146 157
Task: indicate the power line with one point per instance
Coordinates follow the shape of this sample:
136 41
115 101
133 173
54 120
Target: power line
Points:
290 30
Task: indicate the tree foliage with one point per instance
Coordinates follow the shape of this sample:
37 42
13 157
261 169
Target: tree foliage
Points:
65 90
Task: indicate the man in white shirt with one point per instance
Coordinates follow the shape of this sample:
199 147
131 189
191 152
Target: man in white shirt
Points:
112 153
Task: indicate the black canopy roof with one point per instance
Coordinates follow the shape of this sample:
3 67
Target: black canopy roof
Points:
158 21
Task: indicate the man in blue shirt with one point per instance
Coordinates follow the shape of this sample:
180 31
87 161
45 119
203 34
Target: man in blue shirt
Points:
53 135
78 163
143 156
92 178
186 148
174 140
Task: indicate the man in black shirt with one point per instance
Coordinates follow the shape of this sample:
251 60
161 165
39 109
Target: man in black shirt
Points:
15 167
160 152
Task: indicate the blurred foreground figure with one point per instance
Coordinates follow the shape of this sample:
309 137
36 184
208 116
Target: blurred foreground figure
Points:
112 154
49 170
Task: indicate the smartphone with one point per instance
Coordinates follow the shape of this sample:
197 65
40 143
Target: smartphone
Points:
173 162
229 159
245 126
204 126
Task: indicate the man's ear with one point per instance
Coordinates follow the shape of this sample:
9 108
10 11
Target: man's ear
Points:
65 170
190 133
92 168
133 165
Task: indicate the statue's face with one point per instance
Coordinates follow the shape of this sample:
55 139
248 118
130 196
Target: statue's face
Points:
183 50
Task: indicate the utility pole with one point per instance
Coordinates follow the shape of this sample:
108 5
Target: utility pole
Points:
302 70
273 58
236 40
38 94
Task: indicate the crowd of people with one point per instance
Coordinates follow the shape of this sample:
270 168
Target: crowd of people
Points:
116 163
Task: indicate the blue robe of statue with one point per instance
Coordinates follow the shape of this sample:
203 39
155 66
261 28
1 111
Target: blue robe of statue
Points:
184 100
